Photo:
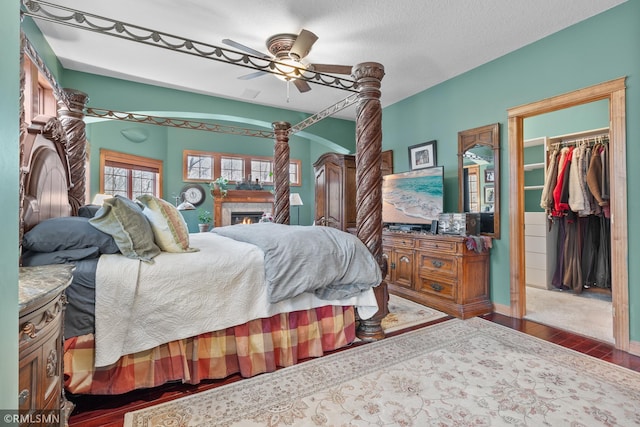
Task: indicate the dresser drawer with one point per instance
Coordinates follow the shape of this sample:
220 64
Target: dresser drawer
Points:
438 246
441 265
398 242
438 286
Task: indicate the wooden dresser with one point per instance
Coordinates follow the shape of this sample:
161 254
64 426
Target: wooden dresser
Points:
438 271
42 300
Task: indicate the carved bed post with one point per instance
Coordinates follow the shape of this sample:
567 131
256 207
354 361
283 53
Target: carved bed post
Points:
368 76
23 131
281 172
71 116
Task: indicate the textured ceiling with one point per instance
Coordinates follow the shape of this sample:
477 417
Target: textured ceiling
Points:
420 43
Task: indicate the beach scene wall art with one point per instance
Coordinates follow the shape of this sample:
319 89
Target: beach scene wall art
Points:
415 197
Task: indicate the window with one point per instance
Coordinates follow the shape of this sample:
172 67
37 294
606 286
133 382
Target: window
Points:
201 166
128 175
473 185
262 170
232 168
38 95
294 173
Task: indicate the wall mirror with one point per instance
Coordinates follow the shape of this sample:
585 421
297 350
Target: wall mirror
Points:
479 176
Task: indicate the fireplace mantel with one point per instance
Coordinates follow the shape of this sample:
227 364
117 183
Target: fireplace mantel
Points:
238 196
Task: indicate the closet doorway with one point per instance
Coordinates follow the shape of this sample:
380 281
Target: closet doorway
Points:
614 92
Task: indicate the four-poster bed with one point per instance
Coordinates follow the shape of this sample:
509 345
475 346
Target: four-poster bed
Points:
289 335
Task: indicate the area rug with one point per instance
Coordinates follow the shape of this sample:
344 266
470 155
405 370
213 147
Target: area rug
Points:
405 314
455 373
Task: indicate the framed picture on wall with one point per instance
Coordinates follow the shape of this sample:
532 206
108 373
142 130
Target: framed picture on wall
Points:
489 175
489 194
422 156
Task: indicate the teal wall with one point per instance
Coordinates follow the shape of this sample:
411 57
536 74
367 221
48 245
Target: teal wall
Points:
167 144
9 160
599 49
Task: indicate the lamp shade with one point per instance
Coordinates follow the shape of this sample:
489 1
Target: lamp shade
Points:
185 206
295 200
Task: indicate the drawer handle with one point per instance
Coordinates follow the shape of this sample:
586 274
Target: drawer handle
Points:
23 396
436 287
393 265
437 264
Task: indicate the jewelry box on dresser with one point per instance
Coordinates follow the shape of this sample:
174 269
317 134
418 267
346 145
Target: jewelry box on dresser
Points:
439 271
40 335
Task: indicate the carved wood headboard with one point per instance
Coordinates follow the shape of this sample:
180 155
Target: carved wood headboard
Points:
44 173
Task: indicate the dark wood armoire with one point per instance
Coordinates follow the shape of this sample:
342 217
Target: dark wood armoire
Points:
335 188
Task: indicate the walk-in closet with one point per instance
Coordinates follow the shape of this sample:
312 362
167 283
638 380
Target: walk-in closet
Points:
567 231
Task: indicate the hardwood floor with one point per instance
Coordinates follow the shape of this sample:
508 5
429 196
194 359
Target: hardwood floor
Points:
108 411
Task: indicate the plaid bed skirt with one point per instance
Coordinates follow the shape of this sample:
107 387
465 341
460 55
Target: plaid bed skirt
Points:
258 346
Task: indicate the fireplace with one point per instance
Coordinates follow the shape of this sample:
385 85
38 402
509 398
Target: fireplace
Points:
241 201
245 217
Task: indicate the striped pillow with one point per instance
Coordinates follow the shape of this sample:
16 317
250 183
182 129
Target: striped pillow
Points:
169 227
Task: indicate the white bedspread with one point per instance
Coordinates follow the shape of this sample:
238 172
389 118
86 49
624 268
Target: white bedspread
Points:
140 306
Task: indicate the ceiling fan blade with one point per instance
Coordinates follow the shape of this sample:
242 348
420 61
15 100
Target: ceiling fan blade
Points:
252 75
301 85
244 48
330 68
302 45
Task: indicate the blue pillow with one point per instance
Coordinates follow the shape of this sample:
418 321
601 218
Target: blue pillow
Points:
69 232
31 258
88 211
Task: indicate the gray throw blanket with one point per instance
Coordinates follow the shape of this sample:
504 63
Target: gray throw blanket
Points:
331 263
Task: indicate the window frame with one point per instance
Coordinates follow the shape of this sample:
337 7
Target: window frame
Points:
134 162
246 158
185 166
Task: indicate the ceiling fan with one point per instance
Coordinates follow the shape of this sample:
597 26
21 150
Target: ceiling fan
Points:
290 49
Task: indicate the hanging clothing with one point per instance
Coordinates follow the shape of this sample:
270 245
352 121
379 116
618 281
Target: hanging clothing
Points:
550 179
560 196
576 196
579 196
572 272
603 269
604 181
590 230
558 273
594 176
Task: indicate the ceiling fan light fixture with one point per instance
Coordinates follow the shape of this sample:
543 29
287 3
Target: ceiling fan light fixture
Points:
289 69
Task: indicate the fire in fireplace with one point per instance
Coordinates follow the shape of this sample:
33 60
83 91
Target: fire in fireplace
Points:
245 217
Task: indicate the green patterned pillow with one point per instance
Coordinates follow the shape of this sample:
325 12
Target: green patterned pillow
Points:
169 228
123 219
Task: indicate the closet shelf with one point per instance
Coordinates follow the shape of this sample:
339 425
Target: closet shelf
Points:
533 166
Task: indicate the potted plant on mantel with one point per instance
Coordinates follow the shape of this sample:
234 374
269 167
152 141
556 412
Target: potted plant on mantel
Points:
204 220
220 184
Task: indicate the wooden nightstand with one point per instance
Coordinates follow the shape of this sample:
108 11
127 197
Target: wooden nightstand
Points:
41 337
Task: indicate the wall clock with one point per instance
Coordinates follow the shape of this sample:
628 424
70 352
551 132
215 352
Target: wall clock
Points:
193 193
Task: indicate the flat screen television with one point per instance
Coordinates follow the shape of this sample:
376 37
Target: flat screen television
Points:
413 198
